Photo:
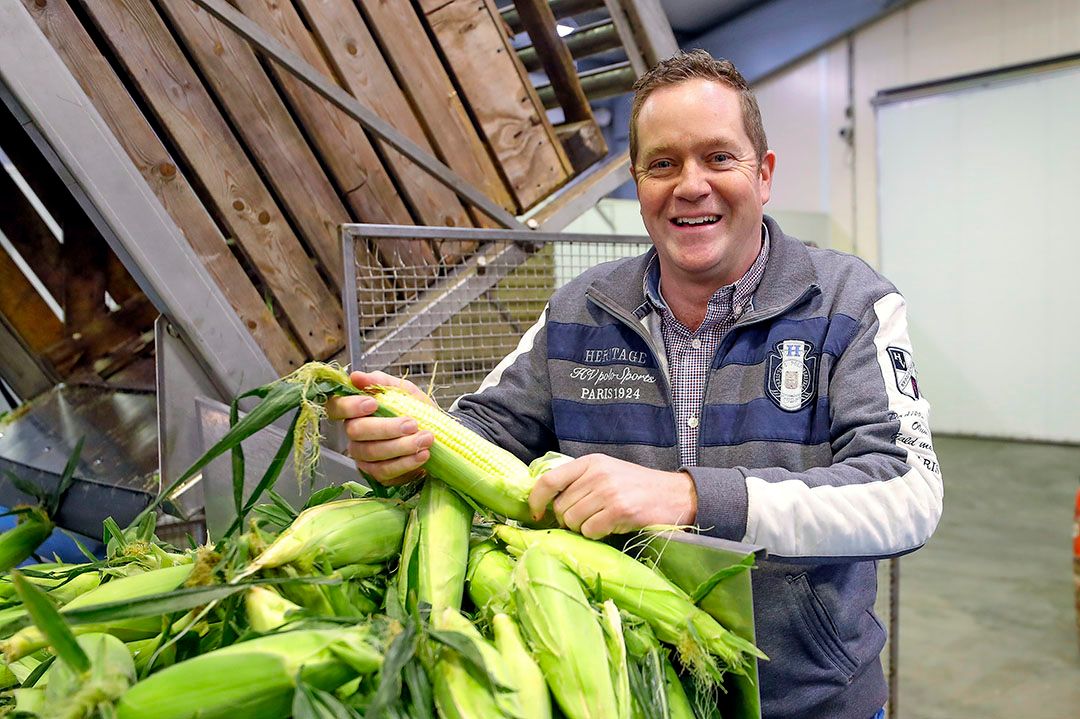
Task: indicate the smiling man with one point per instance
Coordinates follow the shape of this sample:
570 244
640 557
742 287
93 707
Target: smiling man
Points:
730 378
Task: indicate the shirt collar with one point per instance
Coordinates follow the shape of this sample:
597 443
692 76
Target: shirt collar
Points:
740 290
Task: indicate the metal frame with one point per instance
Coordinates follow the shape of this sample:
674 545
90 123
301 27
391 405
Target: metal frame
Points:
464 284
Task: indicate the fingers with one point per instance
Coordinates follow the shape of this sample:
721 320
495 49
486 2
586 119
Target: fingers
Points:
580 511
550 484
366 379
339 408
598 525
381 450
394 472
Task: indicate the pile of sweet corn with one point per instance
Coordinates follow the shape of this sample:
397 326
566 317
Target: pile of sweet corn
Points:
437 604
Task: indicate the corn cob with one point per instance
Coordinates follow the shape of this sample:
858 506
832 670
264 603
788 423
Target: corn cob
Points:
266 609
157 581
459 694
75 695
19 542
638 589
348 531
617 659
489 474
562 630
256 678
533 696
489 577
445 520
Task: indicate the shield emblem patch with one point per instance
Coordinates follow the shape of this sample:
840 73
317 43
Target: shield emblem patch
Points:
903 365
791 377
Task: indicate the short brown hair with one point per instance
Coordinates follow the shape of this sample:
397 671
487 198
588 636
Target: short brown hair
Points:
698 64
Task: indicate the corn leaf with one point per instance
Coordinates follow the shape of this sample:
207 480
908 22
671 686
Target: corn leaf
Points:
709 584
38 671
400 652
67 478
80 546
324 495
273 471
470 653
48 620
421 698
313 703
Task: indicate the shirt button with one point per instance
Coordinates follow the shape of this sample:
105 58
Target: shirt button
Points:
692 423
696 343
737 311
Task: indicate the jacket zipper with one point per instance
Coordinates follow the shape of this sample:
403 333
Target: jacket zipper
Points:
630 321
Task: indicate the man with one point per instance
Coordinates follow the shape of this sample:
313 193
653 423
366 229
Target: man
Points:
730 378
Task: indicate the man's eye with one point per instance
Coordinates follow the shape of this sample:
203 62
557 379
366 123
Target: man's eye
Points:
662 165
721 157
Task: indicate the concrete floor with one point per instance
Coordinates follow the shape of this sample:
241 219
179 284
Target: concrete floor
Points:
988 624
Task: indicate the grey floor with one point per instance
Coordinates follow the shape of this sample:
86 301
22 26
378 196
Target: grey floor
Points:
988 624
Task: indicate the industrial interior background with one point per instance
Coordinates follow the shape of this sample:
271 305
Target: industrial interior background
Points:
933 138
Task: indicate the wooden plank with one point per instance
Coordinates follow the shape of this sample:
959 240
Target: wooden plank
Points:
357 61
173 91
583 141
268 130
26 312
436 103
558 64
496 87
30 236
91 346
341 141
97 79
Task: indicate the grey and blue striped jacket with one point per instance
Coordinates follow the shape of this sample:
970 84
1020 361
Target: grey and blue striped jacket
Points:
814 443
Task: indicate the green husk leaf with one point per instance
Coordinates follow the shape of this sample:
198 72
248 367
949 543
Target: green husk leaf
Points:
80 546
273 471
50 623
470 653
39 671
421 697
326 494
313 703
400 652
703 589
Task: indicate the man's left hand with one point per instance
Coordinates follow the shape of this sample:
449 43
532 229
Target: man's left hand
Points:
598 495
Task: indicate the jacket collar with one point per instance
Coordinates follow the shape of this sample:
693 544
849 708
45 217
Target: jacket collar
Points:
789 274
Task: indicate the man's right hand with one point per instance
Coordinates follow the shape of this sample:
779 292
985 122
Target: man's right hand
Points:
390 450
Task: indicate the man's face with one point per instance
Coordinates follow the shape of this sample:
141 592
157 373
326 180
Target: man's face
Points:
699 182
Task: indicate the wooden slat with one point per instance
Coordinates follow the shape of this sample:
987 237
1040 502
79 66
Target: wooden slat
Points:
263 121
25 310
355 58
437 105
90 347
583 141
30 236
340 140
471 36
153 161
182 105
539 23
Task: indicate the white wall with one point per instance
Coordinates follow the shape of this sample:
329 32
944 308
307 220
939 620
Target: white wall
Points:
818 173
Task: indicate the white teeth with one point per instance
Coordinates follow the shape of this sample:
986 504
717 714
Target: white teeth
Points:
696 220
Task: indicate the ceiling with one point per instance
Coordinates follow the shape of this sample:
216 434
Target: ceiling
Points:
693 17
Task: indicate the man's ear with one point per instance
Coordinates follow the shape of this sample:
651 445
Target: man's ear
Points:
633 172
765 171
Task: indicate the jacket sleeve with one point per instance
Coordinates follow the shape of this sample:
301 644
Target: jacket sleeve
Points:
881 497
512 406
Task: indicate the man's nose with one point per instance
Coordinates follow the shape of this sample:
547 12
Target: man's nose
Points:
693 183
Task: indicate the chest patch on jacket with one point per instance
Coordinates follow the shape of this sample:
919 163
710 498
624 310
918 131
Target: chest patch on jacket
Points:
791 379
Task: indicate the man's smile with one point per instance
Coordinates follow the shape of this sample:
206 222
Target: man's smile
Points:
695 221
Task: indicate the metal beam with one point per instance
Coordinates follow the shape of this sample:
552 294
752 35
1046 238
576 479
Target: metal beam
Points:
20 368
66 127
348 104
775 34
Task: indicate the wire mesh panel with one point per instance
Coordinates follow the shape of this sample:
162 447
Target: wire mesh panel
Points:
449 336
